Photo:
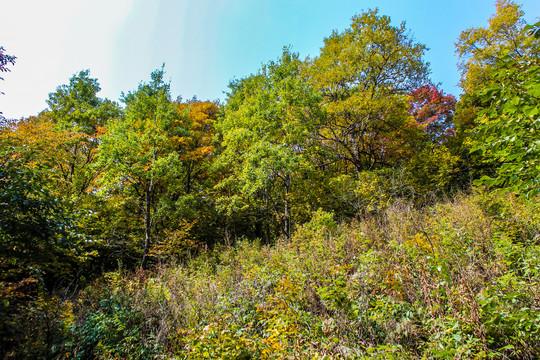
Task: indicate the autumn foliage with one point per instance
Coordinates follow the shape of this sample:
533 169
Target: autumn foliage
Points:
334 207
433 112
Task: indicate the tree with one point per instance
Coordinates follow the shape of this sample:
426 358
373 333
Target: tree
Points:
60 146
188 201
481 50
37 231
65 137
266 133
431 166
137 153
509 128
364 75
5 60
433 112
486 53
196 145
30 217
76 106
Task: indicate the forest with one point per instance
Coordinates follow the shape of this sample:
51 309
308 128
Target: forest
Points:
335 207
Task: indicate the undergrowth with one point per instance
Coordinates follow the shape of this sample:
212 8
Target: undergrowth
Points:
458 280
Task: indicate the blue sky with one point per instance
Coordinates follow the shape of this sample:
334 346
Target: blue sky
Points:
204 44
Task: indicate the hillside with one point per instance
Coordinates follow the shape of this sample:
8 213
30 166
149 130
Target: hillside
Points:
335 207
456 280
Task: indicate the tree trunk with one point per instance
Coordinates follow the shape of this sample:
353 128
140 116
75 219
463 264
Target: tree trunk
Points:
287 214
147 229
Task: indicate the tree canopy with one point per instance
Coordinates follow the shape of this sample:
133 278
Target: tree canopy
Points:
364 75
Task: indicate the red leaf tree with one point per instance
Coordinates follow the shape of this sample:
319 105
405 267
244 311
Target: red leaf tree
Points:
433 111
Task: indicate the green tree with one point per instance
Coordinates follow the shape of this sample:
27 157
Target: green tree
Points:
485 52
509 127
39 237
137 155
39 248
46 177
76 106
266 132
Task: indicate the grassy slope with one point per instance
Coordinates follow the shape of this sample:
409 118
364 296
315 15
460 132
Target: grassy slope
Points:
457 280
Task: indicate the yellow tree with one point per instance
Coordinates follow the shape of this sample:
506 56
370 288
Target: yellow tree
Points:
364 75
481 49
37 221
195 145
66 155
187 216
